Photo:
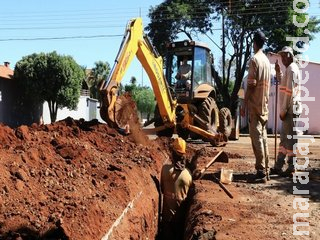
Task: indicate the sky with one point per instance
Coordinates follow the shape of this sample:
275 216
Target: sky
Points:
89 31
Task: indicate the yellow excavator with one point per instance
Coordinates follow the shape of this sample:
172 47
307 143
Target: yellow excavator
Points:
188 109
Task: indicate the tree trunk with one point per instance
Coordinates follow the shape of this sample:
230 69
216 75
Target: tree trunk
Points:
221 88
53 111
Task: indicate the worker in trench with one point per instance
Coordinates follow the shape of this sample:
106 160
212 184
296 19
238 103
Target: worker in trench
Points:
175 182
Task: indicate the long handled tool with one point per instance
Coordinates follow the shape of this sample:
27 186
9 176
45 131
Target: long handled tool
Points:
223 187
276 121
220 157
266 161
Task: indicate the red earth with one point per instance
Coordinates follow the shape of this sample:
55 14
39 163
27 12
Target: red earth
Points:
74 180
257 210
83 180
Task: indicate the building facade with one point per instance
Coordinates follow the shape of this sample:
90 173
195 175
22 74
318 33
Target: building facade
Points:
310 87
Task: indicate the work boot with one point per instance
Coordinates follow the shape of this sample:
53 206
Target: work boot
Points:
260 174
276 171
289 172
259 177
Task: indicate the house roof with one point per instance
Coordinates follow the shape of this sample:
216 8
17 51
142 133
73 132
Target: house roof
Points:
6 72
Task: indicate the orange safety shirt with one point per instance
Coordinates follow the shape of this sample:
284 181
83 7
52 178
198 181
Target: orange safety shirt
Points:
289 88
258 84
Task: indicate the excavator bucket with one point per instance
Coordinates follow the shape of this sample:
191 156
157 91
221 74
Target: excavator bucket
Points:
107 111
125 110
118 113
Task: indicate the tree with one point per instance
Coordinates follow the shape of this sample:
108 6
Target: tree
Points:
98 74
131 88
240 19
145 100
143 96
171 18
50 77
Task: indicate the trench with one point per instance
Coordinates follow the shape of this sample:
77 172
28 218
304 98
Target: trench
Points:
159 234
140 219
190 226
145 218
193 224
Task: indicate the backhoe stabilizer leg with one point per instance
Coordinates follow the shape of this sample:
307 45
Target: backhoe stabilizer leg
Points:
215 139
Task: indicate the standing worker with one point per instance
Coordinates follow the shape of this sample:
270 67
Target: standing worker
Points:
175 182
290 109
256 100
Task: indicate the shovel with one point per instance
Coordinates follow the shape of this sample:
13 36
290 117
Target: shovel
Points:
220 157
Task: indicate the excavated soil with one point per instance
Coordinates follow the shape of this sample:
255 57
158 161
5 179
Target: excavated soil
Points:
83 180
77 180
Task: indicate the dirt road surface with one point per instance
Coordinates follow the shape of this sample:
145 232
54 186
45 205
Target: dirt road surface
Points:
257 211
83 180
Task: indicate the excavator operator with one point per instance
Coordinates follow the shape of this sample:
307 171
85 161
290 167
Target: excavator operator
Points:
175 182
184 74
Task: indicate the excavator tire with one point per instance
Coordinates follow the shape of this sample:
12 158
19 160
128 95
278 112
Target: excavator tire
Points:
168 132
209 113
225 121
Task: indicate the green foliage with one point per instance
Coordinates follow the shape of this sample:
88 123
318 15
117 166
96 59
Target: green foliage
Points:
133 80
274 18
131 88
171 18
230 87
98 74
219 98
241 19
50 77
143 96
145 100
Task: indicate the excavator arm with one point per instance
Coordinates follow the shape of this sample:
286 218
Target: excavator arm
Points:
115 108
135 43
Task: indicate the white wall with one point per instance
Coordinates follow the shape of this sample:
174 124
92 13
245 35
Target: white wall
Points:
313 88
81 112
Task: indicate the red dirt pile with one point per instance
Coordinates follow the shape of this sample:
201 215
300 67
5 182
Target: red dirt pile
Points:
78 180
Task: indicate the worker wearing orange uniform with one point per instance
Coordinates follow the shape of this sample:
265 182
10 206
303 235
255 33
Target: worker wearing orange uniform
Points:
176 180
256 99
290 110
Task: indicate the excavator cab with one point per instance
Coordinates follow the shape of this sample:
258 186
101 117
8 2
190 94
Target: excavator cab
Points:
198 84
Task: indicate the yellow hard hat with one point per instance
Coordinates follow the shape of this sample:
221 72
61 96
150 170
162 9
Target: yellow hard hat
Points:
179 145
